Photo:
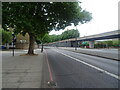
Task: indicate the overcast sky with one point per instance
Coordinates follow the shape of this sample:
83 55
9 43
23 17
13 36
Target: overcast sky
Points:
105 17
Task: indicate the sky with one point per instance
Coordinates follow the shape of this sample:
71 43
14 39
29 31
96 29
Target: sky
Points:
105 17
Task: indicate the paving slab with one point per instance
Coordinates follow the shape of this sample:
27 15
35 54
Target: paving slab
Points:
22 71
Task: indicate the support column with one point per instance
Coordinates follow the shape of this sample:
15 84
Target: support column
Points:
91 44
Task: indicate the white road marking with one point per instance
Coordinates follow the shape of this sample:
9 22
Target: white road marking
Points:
97 68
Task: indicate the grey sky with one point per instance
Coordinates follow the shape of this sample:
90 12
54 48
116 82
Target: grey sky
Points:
105 17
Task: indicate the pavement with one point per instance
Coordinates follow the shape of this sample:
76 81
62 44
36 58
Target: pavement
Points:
0 70
22 71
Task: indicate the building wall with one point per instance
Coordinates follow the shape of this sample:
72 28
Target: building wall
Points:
74 44
22 42
62 44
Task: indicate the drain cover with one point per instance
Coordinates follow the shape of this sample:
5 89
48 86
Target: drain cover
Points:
52 84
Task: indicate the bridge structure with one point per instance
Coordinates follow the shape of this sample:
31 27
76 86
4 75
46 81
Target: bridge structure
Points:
74 41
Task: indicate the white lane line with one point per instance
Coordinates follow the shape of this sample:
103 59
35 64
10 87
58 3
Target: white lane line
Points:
97 68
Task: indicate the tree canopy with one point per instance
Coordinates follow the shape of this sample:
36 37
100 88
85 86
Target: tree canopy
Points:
6 36
65 35
38 18
70 34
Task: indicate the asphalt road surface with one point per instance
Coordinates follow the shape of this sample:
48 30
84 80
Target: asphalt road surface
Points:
76 70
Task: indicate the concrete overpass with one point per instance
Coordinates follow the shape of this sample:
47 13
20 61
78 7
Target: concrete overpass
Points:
73 42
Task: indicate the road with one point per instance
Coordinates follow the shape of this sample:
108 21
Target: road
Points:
106 53
105 50
76 70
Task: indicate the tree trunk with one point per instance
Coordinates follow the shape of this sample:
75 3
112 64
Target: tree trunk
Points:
31 44
42 48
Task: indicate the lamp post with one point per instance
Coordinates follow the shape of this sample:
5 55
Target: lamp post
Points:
13 42
76 41
42 46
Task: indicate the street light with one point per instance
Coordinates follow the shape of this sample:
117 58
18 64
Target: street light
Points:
76 41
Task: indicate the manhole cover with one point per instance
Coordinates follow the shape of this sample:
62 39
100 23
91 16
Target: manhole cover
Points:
52 84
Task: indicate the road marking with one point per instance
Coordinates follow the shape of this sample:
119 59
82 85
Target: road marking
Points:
50 73
97 68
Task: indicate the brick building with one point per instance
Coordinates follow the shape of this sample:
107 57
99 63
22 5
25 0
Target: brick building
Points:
22 42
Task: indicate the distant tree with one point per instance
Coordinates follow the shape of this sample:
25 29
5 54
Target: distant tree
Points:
38 18
0 36
65 35
41 39
70 34
6 36
55 38
116 43
108 43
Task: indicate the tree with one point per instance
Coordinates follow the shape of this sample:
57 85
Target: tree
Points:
70 34
42 39
55 38
38 18
116 43
65 35
6 36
